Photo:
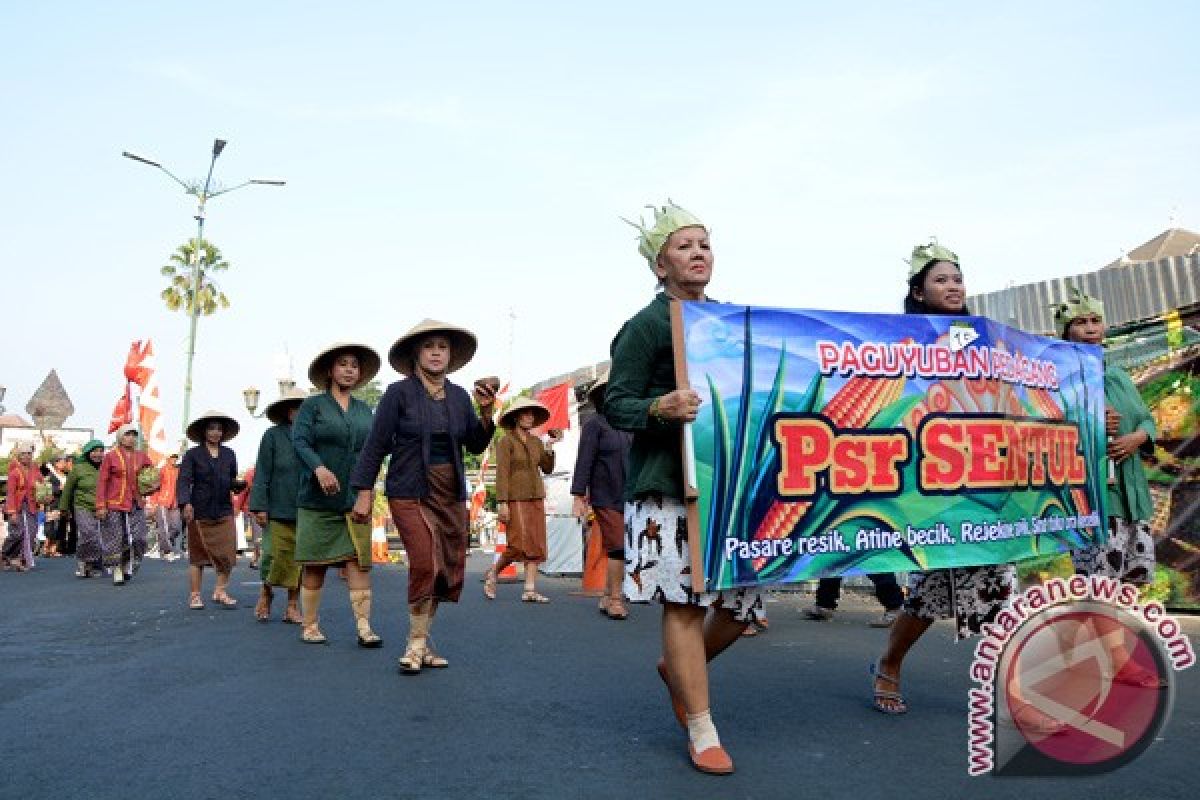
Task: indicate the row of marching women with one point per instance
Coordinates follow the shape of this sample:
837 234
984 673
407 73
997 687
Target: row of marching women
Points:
102 494
317 469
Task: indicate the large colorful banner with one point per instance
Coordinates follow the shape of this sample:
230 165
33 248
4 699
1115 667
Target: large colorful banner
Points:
833 443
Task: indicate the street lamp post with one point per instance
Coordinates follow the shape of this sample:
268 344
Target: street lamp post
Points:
202 195
251 394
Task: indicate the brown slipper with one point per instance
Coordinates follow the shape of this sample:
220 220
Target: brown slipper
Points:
713 761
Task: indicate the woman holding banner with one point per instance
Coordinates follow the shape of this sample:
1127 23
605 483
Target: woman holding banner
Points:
642 398
973 596
1128 555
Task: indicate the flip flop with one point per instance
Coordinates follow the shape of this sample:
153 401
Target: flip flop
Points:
195 603
489 584
879 695
534 597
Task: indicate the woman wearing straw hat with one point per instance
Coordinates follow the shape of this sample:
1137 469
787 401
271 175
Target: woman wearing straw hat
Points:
119 493
328 434
521 457
207 479
20 508
273 503
79 499
424 422
599 484
642 398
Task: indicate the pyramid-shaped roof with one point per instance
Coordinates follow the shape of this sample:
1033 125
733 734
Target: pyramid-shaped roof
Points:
50 406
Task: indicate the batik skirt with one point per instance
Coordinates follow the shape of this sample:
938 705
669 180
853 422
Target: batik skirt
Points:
1128 555
973 596
658 561
123 537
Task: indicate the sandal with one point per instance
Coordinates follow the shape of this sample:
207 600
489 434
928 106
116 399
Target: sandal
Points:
224 600
262 609
617 610
899 706
194 602
432 659
413 659
313 635
533 597
370 639
489 584
292 616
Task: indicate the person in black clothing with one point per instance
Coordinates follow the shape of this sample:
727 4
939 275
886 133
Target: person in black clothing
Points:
207 478
599 483
887 591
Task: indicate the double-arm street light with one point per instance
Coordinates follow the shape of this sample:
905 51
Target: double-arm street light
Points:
202 193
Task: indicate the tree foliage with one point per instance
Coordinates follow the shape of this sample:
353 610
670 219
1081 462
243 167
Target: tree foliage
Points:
180 290
370 393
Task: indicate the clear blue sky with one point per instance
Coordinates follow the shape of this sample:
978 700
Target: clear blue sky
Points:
456 160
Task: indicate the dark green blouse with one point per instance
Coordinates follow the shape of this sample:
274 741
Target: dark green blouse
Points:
324 435
276 475
1129 499
643 368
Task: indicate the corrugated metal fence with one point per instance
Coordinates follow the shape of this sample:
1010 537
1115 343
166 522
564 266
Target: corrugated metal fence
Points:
1134 291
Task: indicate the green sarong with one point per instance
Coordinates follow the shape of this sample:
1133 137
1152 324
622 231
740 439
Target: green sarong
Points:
282 570
330 537
264 554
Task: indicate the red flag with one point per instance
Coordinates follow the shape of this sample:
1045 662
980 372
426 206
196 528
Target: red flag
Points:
136 371
557 399
122 413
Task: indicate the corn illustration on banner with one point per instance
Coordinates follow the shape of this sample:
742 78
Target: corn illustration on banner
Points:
834 443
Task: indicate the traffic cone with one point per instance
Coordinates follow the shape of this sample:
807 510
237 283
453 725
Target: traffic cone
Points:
595 563
379 547
509 573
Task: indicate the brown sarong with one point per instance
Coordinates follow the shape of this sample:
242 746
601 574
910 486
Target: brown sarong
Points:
213 543
434 530
526 531
611 522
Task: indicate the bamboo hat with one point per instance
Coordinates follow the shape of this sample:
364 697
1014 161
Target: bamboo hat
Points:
368 362
402 355
595 394
229 426
541 414
277 411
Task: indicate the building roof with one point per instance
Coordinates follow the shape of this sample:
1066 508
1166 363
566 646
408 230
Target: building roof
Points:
1171 243
13 421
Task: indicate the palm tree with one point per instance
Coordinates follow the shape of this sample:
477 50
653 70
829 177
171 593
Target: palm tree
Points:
179 292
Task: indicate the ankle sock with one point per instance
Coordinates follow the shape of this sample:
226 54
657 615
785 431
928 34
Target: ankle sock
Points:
701 731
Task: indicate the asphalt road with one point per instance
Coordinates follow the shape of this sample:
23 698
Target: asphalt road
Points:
122 692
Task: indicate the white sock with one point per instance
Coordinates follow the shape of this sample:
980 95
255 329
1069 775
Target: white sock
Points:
702 732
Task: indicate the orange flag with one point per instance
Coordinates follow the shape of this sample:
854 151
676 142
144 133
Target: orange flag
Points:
122 413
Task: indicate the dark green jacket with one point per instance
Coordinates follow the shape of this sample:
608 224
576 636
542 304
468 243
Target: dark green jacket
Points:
1129 499
324 435
643 368
80 489
276 475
